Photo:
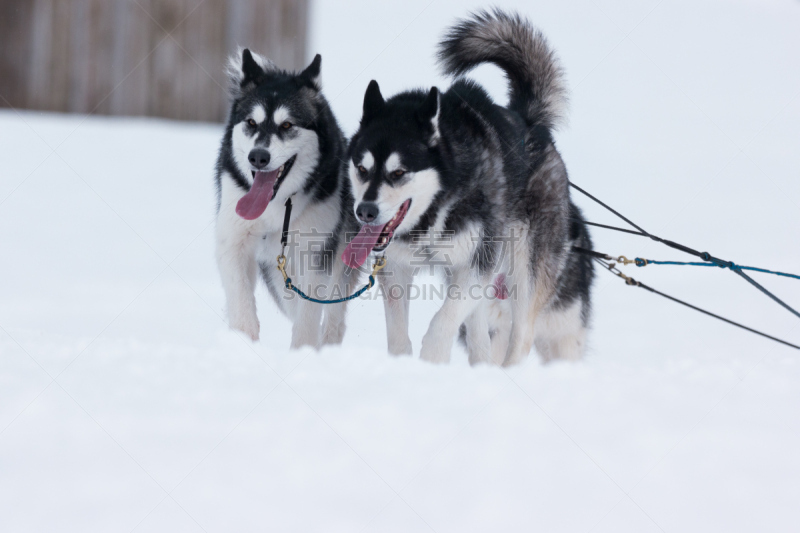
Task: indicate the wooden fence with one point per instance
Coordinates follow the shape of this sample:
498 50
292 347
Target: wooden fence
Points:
161 58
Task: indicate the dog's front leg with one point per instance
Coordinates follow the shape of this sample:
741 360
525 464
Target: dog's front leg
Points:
333 321
308 315
238 268
478 340
395 286
500 326
459 303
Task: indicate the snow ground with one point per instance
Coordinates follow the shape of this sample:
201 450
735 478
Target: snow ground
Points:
127 405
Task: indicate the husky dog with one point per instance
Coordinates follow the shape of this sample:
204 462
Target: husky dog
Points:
427 166
281 142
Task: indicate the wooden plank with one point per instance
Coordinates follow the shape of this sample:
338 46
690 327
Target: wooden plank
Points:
80 56
144 57
99 70
133 80
15 51
38 78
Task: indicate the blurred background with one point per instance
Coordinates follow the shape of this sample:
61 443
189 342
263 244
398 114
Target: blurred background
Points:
162 58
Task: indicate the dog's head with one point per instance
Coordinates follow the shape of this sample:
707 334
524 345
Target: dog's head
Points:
392 167
273 128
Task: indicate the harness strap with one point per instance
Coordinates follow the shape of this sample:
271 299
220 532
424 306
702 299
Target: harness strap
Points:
705 256
611 267
611 264
287 281
287 214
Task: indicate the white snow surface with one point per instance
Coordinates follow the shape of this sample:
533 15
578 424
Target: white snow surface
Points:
126 404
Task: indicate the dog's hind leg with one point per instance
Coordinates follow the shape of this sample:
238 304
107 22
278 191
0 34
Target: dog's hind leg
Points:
561 333
395 287
539 297
520 295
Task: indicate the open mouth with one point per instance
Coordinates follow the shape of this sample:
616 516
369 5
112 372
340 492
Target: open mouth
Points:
265 187
373 238
388 229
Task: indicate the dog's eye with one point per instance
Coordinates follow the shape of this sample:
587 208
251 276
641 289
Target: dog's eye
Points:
286 125
398 173
361 169
251 122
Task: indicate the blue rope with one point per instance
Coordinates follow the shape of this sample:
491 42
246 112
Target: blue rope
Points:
733 266
356 294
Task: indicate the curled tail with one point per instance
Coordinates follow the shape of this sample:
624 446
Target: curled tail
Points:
537 90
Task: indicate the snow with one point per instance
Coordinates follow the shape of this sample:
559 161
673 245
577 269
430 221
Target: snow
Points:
127 405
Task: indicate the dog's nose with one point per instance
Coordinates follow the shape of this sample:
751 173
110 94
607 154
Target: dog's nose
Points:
367 211
259 158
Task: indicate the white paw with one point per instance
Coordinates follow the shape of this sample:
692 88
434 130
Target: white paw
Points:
333 336
514 357
477 357
302 335
248 325
435 349
332 339
479 347
400 347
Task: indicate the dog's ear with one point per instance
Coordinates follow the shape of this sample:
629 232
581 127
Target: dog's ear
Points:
246 70
373 102
428 115
251 71
310 76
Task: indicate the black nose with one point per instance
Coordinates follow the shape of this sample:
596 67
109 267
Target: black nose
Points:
259 158
367 211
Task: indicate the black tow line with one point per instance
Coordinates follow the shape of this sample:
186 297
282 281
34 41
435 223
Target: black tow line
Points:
610 263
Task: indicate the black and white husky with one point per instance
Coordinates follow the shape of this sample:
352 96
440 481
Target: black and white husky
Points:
429 168
282 141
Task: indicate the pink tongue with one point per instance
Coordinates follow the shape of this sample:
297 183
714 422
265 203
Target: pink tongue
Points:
252 204
362 244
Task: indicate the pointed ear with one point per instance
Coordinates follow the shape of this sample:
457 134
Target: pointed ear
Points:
428 114
373 102
246 70
310 76
430 107
251 71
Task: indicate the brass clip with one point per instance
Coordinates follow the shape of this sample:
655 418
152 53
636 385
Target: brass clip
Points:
614 270
282 268
376 266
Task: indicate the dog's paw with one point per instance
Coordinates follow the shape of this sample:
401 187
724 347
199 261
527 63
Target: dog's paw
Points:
248 326
333 336
400 347
304 335
297 344
513 357
435 349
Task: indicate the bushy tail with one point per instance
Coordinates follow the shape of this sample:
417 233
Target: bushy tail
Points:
509 41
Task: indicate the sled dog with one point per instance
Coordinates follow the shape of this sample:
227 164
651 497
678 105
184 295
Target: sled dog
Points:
282 142
427 167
